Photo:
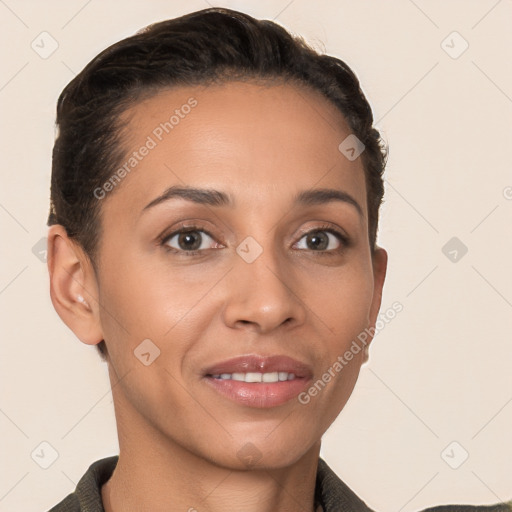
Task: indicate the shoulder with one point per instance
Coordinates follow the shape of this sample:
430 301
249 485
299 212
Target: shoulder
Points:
87 495
68 504
498 507
335 496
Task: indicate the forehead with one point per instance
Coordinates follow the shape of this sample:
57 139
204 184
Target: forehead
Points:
270 140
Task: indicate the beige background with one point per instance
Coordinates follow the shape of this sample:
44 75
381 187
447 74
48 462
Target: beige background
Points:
439 372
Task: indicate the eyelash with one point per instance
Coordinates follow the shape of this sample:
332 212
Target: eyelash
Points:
343 239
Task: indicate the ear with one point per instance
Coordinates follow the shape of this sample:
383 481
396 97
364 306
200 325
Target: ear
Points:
73 286
380 264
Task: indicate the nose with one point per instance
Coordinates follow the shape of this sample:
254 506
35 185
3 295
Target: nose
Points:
263 295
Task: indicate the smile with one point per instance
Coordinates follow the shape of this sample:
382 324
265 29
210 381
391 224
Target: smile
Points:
256 377
258 381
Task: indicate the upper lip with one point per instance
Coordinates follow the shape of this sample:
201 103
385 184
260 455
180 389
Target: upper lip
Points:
262 364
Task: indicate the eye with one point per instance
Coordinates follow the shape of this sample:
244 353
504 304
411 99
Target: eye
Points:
323 240
192 240
189 240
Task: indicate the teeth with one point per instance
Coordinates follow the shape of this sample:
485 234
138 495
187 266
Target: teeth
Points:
270 377
256 376
253 377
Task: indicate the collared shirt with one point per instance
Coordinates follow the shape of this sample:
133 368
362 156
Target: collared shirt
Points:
331 493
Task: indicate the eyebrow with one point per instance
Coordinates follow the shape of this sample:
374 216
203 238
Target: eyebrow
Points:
213 197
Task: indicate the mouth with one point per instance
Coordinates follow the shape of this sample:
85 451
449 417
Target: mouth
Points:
256 376
259 381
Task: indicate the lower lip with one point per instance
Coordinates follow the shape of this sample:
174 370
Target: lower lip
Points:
258 394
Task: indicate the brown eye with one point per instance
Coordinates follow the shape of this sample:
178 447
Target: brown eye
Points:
318 240
322 240
189 240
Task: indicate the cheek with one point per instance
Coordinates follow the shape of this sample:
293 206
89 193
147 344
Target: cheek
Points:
345 308
139 300
140 305
143 301
345 303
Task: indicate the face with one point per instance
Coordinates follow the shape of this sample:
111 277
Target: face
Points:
238 281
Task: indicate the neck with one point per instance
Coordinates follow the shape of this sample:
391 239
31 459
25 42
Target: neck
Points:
144 483
155 473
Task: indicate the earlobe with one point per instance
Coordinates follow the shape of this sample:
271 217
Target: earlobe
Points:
380 263
73 287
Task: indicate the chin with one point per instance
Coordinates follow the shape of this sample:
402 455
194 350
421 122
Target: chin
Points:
259 452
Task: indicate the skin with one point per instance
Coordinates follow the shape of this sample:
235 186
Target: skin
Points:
294 299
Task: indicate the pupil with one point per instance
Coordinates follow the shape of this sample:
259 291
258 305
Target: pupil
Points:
315 241
186 238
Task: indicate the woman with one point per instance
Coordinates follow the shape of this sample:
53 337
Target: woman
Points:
215 195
